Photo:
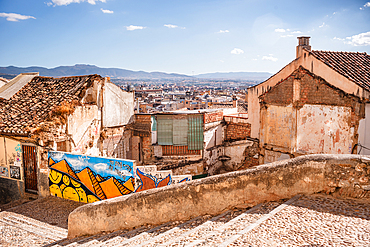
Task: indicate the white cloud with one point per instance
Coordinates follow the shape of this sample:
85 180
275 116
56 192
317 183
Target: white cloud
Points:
132 27
366 5
285 36
338 39
106 11
362 39
322 25
270 58
280 30
173 26
237 51
15 17
66 2
223 31
170 26
297 32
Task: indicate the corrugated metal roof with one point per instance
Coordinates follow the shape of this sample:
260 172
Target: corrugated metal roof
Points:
16 84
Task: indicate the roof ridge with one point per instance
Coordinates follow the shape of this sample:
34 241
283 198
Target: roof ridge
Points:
345 52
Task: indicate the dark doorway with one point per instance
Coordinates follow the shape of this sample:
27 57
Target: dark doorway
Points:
30 171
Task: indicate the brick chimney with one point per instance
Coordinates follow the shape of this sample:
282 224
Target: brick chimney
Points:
303 42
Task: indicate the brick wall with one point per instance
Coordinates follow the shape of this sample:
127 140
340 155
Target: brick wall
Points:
312 90
280 94
237 131
213 117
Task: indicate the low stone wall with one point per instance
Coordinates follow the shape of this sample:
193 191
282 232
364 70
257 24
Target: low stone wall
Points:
10 190
345 175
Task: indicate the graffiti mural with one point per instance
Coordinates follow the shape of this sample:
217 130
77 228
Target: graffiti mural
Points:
147 177
89 179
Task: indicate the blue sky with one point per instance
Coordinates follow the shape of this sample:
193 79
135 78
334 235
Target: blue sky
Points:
188 37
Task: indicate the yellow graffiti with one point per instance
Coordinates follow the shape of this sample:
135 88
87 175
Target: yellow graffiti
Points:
66 180
75 184
55 176
82 194
55 191
71 194
91 198
62 187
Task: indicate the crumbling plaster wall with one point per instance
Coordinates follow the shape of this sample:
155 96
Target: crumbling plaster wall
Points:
84 129
346 176
231 156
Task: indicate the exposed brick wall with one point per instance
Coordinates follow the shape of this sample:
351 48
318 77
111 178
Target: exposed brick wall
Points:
236 131
280 94
313 90
213 117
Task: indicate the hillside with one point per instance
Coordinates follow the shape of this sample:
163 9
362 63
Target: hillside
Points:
85 69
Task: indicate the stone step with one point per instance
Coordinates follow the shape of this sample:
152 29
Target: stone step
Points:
138 239
226 230
172 233
61 232
221 230
255 224
34 227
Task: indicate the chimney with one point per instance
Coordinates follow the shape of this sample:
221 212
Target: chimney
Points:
303 42
235 102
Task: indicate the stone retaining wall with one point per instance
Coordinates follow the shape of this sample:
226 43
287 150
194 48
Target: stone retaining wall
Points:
344 175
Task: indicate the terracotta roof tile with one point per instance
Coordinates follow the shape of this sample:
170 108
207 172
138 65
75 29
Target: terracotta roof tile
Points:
32 104
352 65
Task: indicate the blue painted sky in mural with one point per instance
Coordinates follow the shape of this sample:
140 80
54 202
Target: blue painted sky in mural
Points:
105 167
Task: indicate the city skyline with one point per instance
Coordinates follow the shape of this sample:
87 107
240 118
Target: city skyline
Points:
186 37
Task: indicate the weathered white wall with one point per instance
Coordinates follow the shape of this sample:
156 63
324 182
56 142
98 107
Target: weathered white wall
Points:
364 132
118 106
84 128
213 137
324 129
236 152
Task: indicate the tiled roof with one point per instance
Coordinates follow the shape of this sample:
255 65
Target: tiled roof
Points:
34 103
352 65
12 87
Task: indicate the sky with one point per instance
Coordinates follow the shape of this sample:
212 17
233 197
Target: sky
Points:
188 37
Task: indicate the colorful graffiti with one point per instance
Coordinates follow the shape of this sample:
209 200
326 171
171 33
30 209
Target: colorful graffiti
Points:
89 179
147 177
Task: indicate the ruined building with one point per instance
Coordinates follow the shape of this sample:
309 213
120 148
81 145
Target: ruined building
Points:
40 114
318 103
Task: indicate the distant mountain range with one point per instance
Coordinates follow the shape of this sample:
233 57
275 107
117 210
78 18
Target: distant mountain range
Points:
254 76
85 69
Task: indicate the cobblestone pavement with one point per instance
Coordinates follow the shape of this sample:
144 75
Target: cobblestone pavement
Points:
316 220
35 223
